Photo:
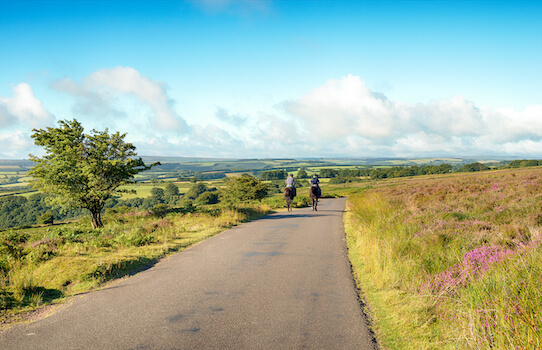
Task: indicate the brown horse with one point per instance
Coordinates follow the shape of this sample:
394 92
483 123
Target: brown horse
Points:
289 197
313 193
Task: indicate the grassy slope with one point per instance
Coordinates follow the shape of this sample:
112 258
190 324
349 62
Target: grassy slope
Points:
451 262
40 266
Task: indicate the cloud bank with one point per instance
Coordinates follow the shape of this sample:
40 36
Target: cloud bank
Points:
346 113
341 118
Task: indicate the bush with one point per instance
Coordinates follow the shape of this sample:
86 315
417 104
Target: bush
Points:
244 188
340 180
207 198
196 190
46 218
301 201
159 210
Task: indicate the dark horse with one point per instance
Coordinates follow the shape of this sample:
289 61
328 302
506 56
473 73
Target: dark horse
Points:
289 197
313 193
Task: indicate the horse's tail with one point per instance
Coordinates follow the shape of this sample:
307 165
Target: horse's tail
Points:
314 192
288 192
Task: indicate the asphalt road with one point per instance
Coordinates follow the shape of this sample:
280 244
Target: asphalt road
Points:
280 282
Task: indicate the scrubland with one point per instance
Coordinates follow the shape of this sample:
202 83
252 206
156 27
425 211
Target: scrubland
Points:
452 261
45 265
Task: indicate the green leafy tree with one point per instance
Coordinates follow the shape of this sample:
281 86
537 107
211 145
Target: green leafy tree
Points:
328 173
171 190
244 188
474 167
196 190
445 168
274 175
158 194
46 218
207 198
302 174
172 194
530 162
378 174
83 170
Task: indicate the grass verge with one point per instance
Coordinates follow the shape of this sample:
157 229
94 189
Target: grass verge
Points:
43 266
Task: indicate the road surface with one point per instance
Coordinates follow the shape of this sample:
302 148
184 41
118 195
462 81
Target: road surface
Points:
279 282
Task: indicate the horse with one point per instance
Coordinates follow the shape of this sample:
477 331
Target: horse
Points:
289 197
313 193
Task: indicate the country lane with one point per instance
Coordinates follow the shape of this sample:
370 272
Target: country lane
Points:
279 282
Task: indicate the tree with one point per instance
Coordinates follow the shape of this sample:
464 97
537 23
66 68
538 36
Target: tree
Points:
83 170
445 168
474 167
378 174
243 189
207 198
171 190
46 218
274 175
328 173
158 194
172 194
196 190
302 174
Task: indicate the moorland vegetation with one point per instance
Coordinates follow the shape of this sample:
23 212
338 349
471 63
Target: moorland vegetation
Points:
451 262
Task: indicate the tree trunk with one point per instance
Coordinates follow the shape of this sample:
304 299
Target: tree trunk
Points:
96 219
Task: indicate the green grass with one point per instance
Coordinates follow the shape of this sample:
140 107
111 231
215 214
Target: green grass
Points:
451 262
40 266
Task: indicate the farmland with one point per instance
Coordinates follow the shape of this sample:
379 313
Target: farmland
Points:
212 173
13 179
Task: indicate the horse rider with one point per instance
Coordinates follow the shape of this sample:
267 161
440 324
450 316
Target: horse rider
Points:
316 183
290 182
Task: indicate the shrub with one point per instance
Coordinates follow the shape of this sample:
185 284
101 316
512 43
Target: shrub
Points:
159 210
207 198
46 218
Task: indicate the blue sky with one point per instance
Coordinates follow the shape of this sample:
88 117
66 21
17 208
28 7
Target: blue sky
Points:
224 78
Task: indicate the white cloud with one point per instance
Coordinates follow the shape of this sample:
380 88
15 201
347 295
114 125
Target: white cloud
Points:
348 118
342 117
23 108
102 92
15 145
18 115
451 117
344 107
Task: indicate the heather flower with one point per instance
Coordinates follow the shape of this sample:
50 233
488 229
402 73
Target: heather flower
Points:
473 265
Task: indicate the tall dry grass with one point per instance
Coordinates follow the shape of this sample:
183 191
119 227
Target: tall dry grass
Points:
452 262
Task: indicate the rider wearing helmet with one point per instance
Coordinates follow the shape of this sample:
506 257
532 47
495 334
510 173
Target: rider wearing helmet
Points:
290 182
